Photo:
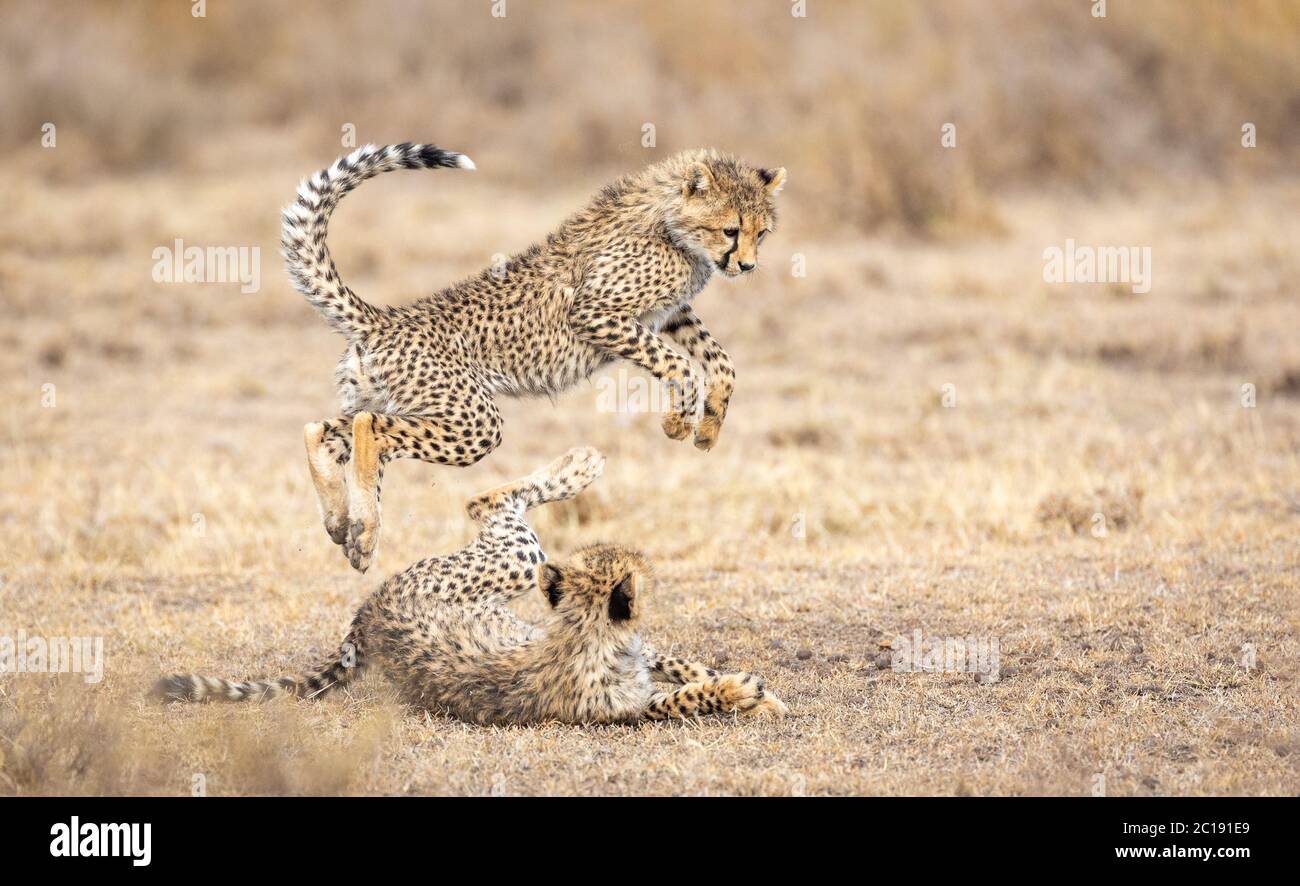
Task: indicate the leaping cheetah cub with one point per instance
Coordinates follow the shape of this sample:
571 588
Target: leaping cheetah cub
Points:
444 632
418 381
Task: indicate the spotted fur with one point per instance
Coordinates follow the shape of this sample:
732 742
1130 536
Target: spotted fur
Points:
444 633
615 280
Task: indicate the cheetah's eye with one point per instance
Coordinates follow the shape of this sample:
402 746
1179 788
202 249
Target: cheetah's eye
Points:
731 232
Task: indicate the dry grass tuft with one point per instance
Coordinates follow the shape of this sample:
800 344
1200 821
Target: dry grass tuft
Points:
58 738
1098 512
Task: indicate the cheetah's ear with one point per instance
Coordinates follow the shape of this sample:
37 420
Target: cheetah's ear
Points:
549 581
773 179
698 178
623 599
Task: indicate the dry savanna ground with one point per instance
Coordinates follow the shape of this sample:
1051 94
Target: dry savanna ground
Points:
923 437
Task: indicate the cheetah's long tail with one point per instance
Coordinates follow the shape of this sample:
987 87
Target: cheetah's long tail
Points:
304 223
325 679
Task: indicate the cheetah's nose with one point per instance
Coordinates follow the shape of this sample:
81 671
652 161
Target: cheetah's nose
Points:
746 266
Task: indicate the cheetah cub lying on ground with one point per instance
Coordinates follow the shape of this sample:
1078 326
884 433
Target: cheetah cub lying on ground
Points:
419 381
443 630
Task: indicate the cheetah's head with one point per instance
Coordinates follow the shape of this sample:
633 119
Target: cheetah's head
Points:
723 208
602 584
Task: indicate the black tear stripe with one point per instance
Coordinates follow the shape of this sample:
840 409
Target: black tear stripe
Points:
726 256
735 244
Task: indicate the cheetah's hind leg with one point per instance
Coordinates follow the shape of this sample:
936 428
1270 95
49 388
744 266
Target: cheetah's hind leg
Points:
460 427
329 446
562 479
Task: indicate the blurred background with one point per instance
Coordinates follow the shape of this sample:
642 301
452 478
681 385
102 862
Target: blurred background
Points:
1049 95
926 433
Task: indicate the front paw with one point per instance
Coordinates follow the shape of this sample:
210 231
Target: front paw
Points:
706 435
745 694
677 425
715 411
769 706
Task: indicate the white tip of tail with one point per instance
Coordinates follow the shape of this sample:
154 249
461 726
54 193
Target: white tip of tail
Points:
464 162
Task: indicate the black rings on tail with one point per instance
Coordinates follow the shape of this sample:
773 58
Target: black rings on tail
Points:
196 687
305 221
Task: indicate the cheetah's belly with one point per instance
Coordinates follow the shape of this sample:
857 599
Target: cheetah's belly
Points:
554 365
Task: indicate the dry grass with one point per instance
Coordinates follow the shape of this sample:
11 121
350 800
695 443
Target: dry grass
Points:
163 502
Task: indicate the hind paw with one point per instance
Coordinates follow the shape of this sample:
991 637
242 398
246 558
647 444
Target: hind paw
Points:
359 544
575 470
337 528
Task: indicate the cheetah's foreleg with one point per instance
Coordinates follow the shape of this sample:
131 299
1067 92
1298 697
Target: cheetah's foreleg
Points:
666 669
687 330
726 694
632 340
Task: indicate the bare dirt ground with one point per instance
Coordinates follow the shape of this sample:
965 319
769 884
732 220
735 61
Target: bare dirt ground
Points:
162 502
